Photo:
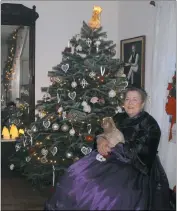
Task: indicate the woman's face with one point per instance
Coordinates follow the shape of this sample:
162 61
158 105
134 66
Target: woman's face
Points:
133 103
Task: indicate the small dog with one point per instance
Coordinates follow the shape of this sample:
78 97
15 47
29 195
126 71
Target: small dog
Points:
111 133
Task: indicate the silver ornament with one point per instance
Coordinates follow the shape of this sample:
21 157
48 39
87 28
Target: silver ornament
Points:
69 155
55 126
44 152
73 84
112 93
72 132
65 128
92 74
46 124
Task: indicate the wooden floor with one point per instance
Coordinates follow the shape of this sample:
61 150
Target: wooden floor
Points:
18 194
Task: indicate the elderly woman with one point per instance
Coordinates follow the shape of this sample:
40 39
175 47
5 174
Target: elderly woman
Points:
126 176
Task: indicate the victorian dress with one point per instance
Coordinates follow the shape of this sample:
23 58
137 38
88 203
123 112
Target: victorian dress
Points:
130 178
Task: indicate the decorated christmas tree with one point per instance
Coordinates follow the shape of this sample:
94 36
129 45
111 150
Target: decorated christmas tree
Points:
86 86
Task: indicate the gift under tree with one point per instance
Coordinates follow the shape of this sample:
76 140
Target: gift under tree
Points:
86 86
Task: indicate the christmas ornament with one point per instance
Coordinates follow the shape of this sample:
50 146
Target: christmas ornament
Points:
118 109
112 93
73 84
89 138
64 115
46 97
34 129
28 159
101 79
12 166
86 150
89 42
72 132
102 70
72 95
84 103
97 44
89 128
17 147
54 151
87 109
65 67
69 155
92 74
44 152
79 48
84 83
46 124
60 109
65 127
55 126
44 159
94 23
94 100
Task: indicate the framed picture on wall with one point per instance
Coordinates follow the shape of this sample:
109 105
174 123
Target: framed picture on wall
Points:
132 53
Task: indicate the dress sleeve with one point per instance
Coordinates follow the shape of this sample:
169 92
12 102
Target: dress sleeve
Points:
142 151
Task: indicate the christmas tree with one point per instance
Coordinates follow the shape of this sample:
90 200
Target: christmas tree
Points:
86 86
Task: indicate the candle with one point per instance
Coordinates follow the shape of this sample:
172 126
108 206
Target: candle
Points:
21 131
5 133
13 131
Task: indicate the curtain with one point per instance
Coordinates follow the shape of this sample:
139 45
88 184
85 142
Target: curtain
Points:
15 84
162 71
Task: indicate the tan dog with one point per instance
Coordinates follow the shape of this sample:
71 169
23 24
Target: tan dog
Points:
111 133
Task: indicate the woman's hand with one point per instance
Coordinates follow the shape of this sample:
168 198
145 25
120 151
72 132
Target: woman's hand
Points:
103 146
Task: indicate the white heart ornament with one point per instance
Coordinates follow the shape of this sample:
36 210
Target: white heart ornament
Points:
65 67
86 150
54 151
72 95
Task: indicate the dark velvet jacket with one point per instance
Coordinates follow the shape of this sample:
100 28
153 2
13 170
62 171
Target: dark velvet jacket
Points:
142 136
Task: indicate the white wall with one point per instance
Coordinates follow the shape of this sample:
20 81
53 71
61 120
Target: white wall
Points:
136 18
58 22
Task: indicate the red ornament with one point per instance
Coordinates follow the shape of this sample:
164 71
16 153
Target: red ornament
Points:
89 138
101 79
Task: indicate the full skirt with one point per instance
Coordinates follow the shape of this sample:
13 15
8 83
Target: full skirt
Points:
98 184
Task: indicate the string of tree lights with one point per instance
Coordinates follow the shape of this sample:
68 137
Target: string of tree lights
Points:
9 68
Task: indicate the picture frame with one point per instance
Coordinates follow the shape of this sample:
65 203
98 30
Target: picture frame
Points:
132 53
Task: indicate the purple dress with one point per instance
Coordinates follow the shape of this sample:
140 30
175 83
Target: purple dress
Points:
131 178
90 184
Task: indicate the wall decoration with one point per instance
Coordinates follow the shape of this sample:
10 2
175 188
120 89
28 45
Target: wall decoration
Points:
132 52
170 107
